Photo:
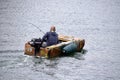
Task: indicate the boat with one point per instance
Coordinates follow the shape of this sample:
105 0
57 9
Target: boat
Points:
66 45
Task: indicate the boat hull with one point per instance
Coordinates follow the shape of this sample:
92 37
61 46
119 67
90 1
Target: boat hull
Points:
55 50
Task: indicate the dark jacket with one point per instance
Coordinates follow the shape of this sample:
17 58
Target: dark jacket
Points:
51 38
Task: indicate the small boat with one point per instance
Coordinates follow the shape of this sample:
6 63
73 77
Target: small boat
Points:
66 45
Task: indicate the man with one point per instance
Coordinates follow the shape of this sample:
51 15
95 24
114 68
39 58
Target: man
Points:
51 37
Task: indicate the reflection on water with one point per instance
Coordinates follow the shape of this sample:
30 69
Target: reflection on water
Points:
52 62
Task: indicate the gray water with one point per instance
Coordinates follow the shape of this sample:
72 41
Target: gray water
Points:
97 21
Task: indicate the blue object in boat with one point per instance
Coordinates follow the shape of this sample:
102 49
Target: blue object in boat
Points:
70 48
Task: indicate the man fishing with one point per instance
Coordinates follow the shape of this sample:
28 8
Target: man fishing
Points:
50 37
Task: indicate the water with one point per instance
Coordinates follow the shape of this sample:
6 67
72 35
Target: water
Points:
97 21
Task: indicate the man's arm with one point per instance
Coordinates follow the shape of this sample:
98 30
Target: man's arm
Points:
44 38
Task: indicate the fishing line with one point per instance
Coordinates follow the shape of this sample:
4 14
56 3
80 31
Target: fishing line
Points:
37 28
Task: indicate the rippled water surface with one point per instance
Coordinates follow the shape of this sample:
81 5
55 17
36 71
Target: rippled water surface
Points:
97 21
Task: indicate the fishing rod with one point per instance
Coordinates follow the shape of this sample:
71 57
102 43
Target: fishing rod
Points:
37 28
